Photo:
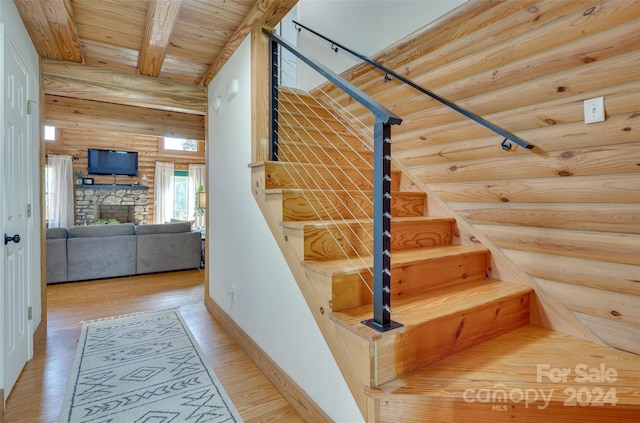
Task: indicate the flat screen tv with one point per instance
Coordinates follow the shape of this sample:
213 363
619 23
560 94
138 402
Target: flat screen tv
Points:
111 162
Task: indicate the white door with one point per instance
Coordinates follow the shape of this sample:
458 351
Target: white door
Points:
15 192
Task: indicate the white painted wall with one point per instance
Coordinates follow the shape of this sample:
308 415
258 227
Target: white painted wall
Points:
14 28
243 253
365 26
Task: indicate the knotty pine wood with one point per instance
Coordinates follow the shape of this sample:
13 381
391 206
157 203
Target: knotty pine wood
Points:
66 112
321 176
508 362
38 394
625 337
614 247
566 211
323 240
621 158
555 113
260 97
52 28
111 33
75 142
352 278
604 275
267 13
619 129
109 86
620 217
315 204
291 151
607 189
441 322
615 306
161 19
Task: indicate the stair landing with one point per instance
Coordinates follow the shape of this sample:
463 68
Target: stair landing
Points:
530 374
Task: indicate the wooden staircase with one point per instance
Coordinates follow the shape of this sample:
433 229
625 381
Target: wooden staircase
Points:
461 329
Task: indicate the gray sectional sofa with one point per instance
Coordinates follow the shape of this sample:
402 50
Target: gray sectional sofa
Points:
107 251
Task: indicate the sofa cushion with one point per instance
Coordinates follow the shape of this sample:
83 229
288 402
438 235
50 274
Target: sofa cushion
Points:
101 257
101 230
162 252
163 228
54 233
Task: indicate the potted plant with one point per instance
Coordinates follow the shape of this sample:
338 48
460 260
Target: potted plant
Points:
199 209
78 175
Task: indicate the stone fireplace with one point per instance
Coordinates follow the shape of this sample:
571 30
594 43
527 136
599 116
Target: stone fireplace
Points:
125 203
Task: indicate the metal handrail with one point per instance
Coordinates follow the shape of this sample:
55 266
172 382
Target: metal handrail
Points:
379 111
495 128
384 118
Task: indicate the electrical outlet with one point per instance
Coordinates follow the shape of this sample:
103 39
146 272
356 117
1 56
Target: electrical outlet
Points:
594 110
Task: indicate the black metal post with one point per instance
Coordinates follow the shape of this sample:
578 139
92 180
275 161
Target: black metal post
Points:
381 229
275 80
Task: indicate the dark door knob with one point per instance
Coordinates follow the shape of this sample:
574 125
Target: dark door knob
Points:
8 239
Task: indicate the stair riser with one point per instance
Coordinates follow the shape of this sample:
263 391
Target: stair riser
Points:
420 409
351 205
355 240
420 345
286 175
312 136
304 103
303 153
350 290
292 116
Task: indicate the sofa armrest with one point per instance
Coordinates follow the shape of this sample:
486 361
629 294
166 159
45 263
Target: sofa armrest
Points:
57 260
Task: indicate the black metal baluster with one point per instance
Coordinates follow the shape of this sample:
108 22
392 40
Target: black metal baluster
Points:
275 80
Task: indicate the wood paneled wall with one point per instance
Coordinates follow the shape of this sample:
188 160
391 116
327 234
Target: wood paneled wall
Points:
75 142
568 212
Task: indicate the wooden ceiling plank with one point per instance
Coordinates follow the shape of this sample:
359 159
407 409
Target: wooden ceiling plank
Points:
35 19
59 14
161 19
264 12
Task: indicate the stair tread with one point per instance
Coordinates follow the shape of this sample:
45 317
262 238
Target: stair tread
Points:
510 361
401 258
438 303
325 223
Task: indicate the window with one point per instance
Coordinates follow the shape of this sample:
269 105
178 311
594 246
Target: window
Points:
180 144
181 195
49 133
48 171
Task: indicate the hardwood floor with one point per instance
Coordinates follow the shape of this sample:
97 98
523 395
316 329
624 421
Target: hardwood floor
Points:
38 395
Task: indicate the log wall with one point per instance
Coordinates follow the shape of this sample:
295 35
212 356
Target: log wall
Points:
568 212
75 142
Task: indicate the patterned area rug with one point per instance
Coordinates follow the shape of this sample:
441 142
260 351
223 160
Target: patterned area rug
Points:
143 367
